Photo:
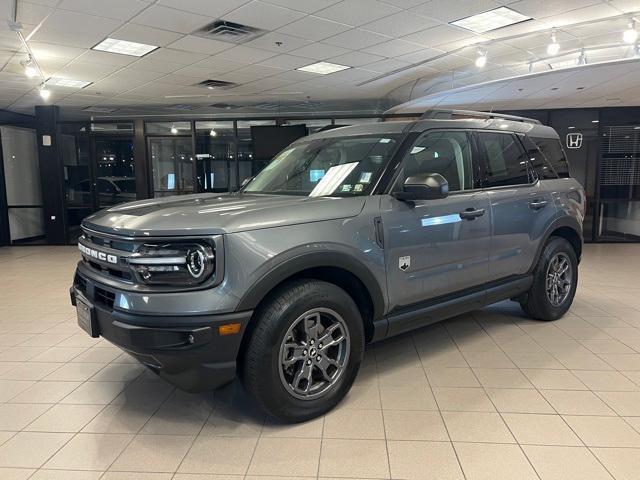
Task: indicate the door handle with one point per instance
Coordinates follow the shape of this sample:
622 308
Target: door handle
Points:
471 213
537 204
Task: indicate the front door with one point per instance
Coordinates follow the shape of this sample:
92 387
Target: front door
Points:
437 247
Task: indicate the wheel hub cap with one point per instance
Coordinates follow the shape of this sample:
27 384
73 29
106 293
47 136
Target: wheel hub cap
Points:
314 353
558 279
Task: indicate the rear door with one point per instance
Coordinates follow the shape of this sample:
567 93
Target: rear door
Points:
431 249
521 207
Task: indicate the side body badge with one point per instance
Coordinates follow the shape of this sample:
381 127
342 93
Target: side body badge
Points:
404 263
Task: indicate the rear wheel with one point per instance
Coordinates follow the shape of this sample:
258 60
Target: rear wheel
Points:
305 350
554 281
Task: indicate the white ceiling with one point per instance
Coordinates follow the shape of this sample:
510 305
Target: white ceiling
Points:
375 37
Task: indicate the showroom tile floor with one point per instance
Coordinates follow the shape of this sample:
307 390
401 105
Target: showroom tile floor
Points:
489 395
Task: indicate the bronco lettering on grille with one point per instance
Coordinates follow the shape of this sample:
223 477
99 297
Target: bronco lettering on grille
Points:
90 252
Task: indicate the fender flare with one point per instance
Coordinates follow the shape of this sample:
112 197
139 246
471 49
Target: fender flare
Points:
296 264
564 221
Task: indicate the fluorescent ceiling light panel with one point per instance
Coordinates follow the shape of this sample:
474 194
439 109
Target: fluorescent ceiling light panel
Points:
323 68
66 82
491 20
124 47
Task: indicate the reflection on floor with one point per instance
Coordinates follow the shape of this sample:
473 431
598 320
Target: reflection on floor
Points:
488 395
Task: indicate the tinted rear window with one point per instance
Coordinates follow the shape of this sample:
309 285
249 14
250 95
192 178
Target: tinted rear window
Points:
538 160
554 154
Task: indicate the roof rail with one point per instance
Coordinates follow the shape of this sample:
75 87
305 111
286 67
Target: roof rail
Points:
466 114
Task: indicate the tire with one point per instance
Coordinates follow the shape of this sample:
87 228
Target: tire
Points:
540 304
302 312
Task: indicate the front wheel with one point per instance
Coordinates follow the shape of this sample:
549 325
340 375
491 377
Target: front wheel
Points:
555 279
305 350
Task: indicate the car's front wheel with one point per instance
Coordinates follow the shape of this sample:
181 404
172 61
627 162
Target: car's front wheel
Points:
305 350
555 279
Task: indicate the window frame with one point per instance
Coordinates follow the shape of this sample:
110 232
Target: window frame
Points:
411 142
483 160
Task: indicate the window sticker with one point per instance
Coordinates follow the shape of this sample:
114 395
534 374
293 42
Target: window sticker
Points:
357 187
315 175
415 150
385 140
346 187
365 177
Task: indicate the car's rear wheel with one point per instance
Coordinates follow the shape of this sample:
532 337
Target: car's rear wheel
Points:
555 279
305 350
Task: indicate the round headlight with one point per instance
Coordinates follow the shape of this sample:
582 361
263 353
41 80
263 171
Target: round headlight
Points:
196 262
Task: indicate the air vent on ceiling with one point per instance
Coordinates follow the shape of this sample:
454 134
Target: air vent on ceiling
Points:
96 109
229 32
216 84
225 106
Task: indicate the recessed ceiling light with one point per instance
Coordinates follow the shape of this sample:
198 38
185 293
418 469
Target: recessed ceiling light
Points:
491 20
323 68
595 121
124 47
66 82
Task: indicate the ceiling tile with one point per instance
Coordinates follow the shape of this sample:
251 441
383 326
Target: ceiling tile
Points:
118 9
356 39
307 6
544 8
320 51
152 65
147 35
218 65
314 28
357 12
86 71
47 50
176 56
386 65
106 58
355 59
263 15
243 54
287 62
191 43
406 3
277 42
215 8
393 48
400 24
79 22
438 35
420 55
29 13
171 19
448 11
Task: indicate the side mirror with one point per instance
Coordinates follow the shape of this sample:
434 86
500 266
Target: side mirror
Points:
426 186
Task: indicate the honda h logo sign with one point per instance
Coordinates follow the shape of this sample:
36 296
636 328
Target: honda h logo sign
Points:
574 140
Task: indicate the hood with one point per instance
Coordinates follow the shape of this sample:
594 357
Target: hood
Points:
210 214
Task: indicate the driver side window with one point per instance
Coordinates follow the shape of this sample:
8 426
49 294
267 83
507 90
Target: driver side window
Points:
445 152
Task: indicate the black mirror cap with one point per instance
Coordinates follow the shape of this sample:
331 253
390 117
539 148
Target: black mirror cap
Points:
426 186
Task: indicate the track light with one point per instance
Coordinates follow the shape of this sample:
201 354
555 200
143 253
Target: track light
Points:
213 133
554 47
630 35
582 59
174 130
44 93
481 60
29 68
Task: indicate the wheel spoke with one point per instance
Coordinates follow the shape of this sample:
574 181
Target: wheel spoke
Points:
304 373
312 325
324 364
327 334
296 354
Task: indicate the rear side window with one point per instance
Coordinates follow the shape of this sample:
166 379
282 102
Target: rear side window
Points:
554 154
543 168
505 160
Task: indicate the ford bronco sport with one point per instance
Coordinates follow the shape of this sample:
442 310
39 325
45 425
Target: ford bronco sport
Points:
347 237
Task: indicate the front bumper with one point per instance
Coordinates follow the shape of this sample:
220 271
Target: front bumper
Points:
188 351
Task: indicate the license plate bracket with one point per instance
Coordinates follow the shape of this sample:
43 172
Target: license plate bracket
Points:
87 316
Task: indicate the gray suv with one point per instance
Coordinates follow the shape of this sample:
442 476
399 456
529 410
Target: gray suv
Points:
347 237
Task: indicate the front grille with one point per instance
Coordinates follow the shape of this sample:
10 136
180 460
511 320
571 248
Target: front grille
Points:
104 296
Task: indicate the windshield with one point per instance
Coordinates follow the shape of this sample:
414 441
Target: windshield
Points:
327 167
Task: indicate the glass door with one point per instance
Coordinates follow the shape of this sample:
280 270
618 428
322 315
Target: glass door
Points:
115 170
23 192
619 184
172 165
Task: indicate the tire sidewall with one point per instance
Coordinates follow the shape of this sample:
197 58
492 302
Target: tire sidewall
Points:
327 296
555 246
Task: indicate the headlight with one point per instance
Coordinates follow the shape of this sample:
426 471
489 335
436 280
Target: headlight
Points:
183 264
